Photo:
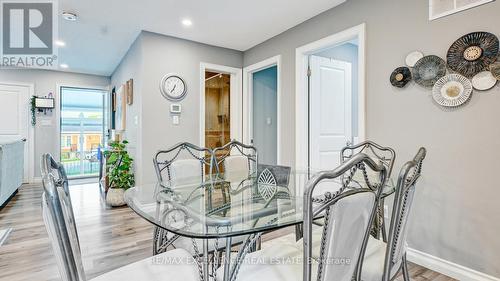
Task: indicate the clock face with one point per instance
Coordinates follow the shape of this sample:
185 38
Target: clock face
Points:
173 87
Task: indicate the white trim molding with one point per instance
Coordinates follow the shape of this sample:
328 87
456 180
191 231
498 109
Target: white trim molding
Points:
301 87
235 103
447 268
248 98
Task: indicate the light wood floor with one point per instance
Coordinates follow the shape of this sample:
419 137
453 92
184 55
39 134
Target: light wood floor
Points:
110 238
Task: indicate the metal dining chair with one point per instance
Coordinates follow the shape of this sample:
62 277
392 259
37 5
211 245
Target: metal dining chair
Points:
383 261
60 223
235 161
348 215
183 164
386 156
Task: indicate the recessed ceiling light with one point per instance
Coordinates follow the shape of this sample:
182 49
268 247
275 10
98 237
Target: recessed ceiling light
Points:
63 65
69 16
187 22
60 43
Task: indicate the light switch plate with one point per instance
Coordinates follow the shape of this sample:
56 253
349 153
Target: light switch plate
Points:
175 119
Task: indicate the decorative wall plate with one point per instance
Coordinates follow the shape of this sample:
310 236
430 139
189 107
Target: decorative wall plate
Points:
400 77
428 70
452 90
413 57
495 70
473 53
484 81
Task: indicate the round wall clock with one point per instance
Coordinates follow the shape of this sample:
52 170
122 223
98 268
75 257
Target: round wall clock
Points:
173 87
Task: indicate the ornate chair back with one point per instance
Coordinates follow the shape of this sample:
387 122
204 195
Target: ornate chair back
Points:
384 155
235 161
403 198
348 213
182 164
59 220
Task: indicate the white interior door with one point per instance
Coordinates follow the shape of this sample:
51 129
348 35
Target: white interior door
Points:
14 117
330 112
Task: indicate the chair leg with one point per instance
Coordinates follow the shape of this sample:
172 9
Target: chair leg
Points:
406 273
298 232
382 220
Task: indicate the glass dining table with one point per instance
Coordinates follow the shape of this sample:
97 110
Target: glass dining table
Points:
212 208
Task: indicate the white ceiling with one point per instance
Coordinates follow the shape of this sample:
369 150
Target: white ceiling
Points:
97 42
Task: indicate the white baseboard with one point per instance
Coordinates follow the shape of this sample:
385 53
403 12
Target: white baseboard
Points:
448 268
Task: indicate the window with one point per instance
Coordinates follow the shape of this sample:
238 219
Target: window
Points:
442 8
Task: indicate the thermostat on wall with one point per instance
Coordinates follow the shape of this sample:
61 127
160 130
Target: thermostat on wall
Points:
175 108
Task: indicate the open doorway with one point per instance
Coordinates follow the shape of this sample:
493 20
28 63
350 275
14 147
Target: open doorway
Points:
217 109
330 91
220 105
82 124
261 114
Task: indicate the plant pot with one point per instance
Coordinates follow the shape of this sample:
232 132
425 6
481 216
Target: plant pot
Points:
115 197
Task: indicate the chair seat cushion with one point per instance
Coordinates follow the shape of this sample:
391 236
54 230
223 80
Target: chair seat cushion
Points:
317 233
373 264
277 262
177 264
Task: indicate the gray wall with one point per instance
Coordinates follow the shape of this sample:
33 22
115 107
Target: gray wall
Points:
456 211
265 99
45 81
131 67
159 55
347 52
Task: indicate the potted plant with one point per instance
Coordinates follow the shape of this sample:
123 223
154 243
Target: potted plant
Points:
120 174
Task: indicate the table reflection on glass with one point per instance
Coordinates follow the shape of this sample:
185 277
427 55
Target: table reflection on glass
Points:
213 208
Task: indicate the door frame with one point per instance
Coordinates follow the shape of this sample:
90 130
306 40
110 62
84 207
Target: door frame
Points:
31 130
301 87
58 110
248 100
235 98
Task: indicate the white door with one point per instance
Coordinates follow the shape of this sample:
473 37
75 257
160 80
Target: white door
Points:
330 112
14 117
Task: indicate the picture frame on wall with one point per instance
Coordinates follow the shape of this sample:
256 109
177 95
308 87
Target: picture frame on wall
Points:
130 91
120 108
443 8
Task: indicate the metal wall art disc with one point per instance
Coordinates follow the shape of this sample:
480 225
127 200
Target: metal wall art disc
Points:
413 57
473 53
452 90
484 81
495 70
400 77
428 70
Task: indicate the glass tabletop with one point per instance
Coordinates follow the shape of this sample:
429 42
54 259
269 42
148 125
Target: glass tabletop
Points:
214 208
